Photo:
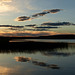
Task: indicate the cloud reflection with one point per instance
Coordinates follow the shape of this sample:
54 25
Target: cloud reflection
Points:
57 54
42 64
23 59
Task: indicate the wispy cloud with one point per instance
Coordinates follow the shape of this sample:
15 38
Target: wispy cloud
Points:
57 23
31 25
25 18
53 10
29 5
46 27
5 6
11 26
6 0
28 33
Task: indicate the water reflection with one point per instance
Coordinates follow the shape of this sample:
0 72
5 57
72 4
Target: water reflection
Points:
31 47
33 58
43 64
4 70
22 59
37 63
47 49
58 53
8 71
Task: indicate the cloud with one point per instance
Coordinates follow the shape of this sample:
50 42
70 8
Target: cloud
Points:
41 29
5 6
32 25
39 14
29 5
46 27
53 10
22 28
8 28
46 12
28 33
6 0
11 26
57 23
25 18
22 18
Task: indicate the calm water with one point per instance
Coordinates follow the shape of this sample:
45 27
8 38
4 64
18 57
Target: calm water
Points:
45 40
53 61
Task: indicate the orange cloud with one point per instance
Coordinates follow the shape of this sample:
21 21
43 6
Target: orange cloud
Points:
30 33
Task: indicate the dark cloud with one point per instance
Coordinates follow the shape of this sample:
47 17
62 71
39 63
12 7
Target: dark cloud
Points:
53 10
46 27
11 26
46 12
58 24
24 18
39 14
32 25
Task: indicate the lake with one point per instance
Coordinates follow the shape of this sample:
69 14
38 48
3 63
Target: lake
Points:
51 61
45 40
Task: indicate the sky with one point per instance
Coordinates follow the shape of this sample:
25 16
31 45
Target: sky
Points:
28 12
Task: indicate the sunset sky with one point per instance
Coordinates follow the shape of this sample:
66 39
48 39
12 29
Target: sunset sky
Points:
13 10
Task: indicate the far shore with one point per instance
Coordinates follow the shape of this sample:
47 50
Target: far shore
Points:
7 38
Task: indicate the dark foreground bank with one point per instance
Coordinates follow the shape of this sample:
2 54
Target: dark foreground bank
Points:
30 45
